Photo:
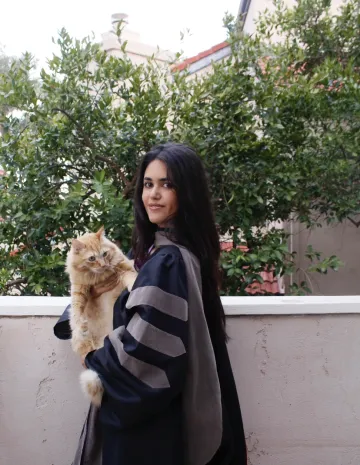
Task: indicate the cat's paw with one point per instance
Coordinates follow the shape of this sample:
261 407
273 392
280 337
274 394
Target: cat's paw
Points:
92 386
84 328
129 279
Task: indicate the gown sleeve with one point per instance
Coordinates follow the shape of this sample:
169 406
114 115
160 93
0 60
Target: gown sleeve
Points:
143 364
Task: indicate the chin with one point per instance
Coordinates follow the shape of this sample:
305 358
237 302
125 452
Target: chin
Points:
156 220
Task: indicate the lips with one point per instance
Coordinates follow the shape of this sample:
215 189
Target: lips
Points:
155 207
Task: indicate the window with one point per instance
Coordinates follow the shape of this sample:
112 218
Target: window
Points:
244 7
243 11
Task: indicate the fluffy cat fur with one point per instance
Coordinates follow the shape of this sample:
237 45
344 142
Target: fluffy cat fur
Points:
93 260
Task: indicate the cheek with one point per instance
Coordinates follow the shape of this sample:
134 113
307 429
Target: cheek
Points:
144 197
172 202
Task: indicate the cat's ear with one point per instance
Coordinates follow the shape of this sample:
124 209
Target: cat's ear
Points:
101 232
77 245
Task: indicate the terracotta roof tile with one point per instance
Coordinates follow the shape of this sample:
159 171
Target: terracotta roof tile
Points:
270 284
184 64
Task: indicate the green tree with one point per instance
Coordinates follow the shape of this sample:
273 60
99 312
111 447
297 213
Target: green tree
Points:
6 61
71 165
277 125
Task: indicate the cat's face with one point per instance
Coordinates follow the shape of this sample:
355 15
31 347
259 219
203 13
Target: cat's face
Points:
93 252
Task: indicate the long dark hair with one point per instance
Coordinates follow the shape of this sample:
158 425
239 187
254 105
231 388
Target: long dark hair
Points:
194 224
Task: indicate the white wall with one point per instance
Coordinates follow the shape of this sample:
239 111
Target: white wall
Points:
296 363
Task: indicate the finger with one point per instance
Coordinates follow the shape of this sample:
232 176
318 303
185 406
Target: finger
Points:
110 284
98 291
112 280
110 287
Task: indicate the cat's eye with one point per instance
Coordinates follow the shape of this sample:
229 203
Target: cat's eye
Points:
104 254
92 258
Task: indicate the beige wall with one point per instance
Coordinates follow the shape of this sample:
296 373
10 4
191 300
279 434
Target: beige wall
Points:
342 240
137 50
41 407
258 6
298 380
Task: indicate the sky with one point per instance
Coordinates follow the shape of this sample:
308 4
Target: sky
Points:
29 25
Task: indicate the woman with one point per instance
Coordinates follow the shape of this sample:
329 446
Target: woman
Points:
170 396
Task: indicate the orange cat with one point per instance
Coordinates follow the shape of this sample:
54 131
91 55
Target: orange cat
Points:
93 260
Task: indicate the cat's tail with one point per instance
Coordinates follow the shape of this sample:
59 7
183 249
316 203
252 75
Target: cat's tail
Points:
92 386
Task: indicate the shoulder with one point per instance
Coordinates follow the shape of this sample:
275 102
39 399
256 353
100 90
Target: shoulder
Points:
166 270
165 257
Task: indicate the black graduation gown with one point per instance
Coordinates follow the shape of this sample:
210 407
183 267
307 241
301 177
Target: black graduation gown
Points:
143 366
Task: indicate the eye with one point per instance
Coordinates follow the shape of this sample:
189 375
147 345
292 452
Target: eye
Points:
148 184
104 254
92 258
168 185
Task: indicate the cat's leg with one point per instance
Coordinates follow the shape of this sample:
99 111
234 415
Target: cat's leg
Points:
128 278
127 273
79 297
81 344
125 264
81 341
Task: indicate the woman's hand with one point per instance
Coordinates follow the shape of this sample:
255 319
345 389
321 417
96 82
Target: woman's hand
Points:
99 289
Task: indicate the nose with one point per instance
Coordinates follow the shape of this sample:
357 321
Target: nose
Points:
155 193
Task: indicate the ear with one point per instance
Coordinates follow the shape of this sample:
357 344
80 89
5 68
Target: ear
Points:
77 245
100 233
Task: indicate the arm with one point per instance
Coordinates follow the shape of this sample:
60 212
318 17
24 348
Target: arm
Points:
143 366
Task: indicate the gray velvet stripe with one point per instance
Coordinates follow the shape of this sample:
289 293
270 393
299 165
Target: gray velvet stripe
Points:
163 301
202 410
149 374
155 338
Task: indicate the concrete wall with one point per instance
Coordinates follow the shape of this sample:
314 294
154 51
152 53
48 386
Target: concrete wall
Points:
41 407
298 381
296 363
341 240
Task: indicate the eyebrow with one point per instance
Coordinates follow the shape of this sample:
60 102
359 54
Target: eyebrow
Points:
161 179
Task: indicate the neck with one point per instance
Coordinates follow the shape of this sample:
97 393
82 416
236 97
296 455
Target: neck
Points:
166 228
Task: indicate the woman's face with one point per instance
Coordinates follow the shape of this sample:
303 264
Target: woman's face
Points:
159 196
